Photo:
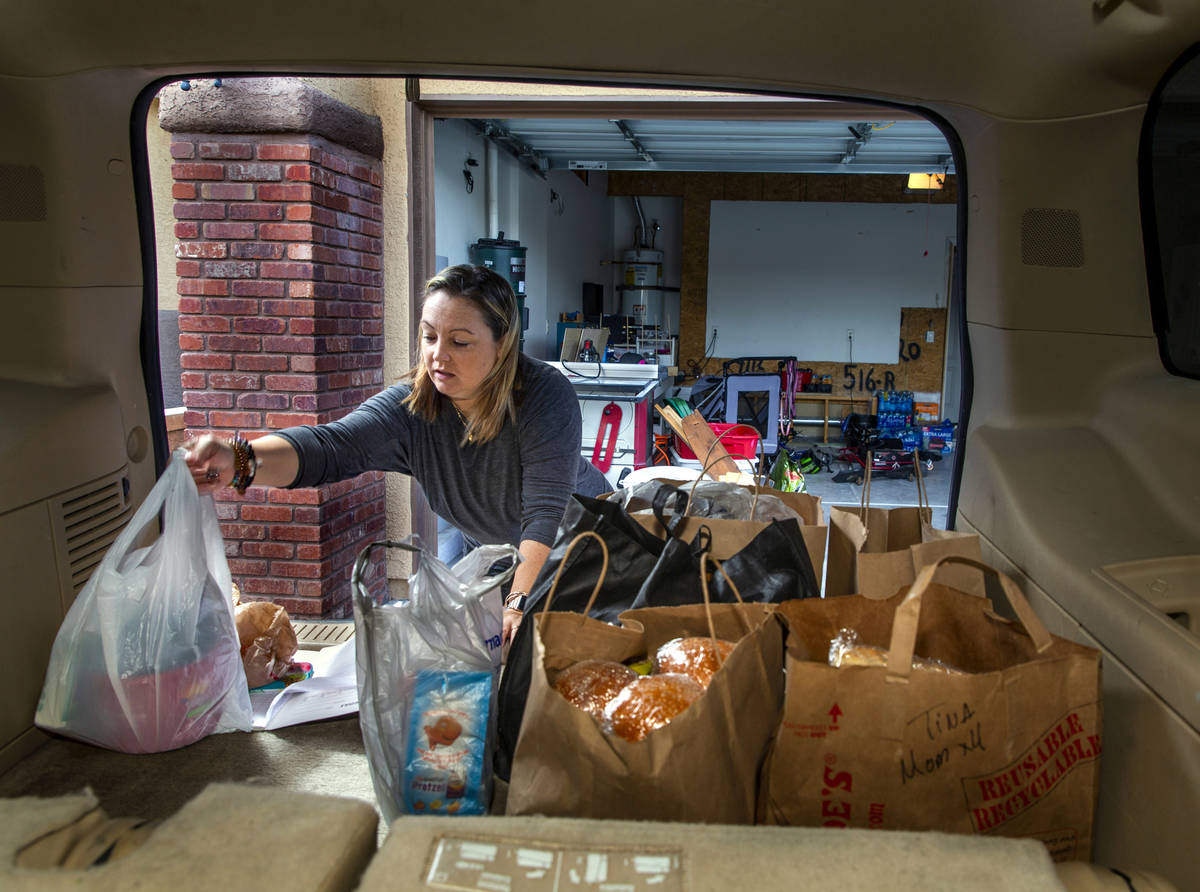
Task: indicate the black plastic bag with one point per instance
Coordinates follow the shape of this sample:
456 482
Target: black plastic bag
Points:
643 571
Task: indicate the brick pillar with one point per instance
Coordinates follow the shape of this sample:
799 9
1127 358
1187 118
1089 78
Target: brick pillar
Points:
279 247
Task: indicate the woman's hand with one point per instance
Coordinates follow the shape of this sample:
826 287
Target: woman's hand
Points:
210 460
512 621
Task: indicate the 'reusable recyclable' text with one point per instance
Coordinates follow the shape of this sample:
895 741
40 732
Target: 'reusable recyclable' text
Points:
1001 797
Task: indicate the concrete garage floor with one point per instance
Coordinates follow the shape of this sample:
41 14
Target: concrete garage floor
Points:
887 493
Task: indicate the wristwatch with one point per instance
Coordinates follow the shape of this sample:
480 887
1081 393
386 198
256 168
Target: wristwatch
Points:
516 601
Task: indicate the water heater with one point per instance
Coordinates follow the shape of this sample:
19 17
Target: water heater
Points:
507 257
641 292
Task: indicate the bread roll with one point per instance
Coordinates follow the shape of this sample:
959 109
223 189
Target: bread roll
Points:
697 658
845 650
591 684
649 702
267 638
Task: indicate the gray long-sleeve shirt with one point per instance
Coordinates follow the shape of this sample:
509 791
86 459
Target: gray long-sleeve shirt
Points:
510 488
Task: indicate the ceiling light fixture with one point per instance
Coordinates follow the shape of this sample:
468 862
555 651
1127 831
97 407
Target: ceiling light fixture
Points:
926 180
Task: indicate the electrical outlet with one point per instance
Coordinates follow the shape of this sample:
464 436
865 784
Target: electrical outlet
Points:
929 337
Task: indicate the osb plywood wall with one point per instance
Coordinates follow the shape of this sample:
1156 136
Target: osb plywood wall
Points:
919 363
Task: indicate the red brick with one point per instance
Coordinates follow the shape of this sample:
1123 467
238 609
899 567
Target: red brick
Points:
227 191
243 531
289 344
234 381
286 152
298 570
261 400
197 171
311 213
228 230
235 419
270 586
279 420
207 399
376 178
234 343
255 212
282 550
247 567
209 250
294 533
187 230
335 162
252 170
302 383
205 361
191 342
231 269
227 150
192 381
192 419
285 192
261 362
203 286
302 362
206 324
272 270
304 606
183 191
187 267
360 172
259 325
295 496
288 307
231 306
286 232
259 288
190 305
183 150
257 250
267 513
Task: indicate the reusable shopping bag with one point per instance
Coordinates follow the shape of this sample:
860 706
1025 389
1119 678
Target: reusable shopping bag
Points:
645 571
701 766
147 658
877 551
951 718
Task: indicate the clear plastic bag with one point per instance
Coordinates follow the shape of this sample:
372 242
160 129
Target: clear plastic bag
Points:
147 658
706 498
428 669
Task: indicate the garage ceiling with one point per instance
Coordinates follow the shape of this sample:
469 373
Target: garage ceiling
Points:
742 134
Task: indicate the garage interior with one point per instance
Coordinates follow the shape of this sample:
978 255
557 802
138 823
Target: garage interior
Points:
718 235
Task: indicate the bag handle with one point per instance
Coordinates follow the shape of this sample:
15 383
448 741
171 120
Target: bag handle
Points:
558 573
704 561
658 505
864 499
908 614
922 490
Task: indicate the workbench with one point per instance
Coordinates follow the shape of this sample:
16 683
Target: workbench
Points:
825 399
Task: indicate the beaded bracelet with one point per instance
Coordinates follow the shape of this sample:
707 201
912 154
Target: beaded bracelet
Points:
245 464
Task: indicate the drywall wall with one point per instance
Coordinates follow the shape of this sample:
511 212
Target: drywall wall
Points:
793 278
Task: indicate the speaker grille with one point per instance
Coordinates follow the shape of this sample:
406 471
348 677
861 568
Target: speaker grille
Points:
92 518
1051 237
22 193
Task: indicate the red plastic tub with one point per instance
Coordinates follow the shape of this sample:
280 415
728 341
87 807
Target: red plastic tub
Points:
742 442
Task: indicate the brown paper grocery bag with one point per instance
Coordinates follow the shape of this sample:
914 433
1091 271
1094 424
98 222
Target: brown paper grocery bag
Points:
702 766
877 551
1008 745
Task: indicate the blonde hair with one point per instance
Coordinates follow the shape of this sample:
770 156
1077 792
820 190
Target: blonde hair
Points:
495 400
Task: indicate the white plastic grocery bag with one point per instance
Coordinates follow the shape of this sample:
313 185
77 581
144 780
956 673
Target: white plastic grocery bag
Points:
148 657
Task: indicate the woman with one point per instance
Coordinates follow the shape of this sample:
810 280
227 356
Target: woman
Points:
493 436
